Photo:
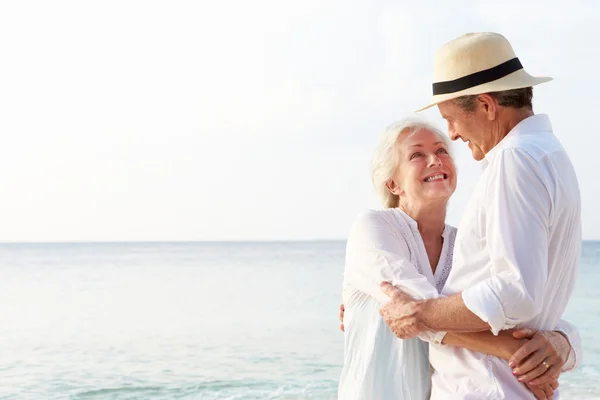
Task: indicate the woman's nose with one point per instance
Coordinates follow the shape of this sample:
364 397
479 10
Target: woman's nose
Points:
434 160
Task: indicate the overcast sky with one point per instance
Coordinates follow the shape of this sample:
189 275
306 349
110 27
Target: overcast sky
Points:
249 120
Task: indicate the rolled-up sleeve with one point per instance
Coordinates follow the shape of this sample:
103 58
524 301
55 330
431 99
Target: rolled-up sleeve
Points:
574 338
516 229
375 253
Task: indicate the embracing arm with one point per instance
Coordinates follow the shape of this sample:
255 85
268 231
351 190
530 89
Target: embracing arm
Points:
508 342
377 252
449 314
510 346
526 350
502 346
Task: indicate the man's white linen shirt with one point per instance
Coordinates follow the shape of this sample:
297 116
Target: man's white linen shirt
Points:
515 258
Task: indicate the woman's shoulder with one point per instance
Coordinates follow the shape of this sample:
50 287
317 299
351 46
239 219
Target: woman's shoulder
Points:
373 218
374 230
379 224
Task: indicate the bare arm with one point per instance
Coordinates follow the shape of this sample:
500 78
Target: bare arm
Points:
408 317
503 346
449 314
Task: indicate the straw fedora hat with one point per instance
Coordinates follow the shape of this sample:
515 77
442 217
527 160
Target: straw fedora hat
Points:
477 63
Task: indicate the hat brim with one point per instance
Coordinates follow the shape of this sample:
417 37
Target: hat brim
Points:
517 80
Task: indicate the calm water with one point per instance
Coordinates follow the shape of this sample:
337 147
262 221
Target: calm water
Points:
197 321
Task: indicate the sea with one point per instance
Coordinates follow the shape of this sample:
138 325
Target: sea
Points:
192 320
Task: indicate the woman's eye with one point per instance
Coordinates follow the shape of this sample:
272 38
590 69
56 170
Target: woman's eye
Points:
442 151
415 155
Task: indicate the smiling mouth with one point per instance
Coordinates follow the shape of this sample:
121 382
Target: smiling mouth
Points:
437 177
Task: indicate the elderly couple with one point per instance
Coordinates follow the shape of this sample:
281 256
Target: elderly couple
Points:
431 311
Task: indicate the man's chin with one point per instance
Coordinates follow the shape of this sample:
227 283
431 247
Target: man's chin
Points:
477 155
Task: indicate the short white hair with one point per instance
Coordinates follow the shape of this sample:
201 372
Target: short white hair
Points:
386 158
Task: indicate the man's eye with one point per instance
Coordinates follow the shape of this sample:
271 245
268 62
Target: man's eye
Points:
415 155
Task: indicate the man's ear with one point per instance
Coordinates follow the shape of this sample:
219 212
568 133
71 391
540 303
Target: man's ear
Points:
489 105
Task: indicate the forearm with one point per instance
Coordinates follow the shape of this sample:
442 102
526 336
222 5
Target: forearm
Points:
502 346
449 314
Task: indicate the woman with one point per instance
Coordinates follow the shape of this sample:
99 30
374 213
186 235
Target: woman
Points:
409 245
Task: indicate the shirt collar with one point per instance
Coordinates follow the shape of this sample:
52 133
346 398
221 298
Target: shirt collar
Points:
411 222
415 227
535 123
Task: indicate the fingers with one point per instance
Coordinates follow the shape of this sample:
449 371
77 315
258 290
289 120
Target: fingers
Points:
531 369
548 391
523 333
537 372
554 383
544 392
523 352
383 310
342 328
537 392
388 289
400 329
551 374
387 309
342 309
530 363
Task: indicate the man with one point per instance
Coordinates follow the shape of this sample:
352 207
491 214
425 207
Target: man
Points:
518 244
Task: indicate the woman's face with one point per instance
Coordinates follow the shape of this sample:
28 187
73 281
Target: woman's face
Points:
425 171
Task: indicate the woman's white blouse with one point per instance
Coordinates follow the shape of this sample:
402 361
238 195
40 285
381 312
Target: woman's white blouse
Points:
385 245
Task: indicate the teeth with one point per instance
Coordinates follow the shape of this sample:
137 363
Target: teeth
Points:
431 178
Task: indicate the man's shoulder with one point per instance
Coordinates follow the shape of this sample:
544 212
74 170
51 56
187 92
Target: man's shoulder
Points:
535 146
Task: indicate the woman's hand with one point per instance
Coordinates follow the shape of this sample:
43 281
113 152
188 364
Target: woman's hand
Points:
540 360
342 317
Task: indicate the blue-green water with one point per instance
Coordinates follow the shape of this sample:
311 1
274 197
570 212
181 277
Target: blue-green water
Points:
197 321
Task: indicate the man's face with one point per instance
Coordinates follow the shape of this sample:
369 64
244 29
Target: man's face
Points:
468 126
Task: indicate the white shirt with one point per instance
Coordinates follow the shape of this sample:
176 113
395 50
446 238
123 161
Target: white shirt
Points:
386 246
516 256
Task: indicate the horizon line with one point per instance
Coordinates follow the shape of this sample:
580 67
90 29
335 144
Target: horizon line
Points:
215 241
173 241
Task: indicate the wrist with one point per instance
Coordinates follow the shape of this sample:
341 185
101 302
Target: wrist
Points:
564 349
421 313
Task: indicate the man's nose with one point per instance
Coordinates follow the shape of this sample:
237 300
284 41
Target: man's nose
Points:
453 135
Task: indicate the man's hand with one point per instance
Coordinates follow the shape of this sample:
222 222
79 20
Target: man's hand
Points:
342 309
540 360
544 391
401 313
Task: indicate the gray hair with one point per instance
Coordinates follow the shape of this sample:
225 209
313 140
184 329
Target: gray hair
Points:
386 157
515 98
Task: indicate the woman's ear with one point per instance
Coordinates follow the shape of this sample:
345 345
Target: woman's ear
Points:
393 188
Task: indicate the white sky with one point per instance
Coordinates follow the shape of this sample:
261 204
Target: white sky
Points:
248 120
